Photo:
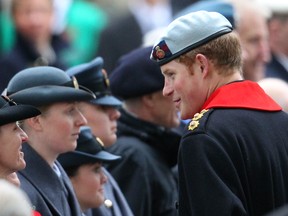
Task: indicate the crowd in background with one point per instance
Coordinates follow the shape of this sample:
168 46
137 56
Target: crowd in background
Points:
106 45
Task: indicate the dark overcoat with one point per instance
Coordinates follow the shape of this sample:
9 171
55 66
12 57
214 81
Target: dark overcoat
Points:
233 157
144 174
112 192
275 69
45 189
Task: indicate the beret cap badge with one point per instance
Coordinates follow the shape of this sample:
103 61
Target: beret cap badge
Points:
159 52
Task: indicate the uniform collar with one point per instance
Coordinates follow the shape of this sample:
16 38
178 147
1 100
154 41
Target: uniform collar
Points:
241 94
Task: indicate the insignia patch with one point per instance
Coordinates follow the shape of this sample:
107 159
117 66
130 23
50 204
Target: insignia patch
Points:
161 51
193 124
195 120
198 116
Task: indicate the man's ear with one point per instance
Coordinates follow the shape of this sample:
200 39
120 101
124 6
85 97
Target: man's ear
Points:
203 63
148 99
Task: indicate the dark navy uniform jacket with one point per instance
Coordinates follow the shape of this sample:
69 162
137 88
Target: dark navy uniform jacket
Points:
275 69
113 193
233 158
49 194
144 173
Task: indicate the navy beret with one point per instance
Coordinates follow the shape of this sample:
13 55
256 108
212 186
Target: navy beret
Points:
136 75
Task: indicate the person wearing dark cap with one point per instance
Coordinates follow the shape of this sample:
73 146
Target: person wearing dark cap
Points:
12 136
84 168
102 114
103 108
53 132
233 154
145 138
11 139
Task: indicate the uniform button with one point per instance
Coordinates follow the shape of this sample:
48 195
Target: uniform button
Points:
108 203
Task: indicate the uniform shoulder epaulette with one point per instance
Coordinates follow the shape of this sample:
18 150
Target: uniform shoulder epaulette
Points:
194 123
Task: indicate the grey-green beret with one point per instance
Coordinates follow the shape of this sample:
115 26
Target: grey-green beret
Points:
188 32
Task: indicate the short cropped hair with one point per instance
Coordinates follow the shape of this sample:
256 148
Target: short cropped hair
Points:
225 52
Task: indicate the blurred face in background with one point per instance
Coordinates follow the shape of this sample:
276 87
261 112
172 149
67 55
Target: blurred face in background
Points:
164 111
33 18
253 32
102 120
278 34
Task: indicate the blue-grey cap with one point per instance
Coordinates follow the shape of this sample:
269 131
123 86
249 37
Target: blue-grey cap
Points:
92 76
45 85
189 32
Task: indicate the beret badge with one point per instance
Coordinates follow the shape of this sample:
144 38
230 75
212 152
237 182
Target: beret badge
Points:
161 51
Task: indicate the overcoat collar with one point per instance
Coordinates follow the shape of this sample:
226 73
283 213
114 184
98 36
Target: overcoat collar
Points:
241 94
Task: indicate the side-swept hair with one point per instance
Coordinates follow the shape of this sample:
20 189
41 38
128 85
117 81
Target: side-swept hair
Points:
225 52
